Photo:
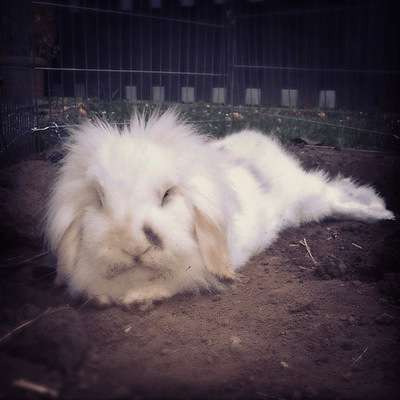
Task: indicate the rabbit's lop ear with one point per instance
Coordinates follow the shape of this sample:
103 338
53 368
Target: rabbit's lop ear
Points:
213 243
67 252
64 222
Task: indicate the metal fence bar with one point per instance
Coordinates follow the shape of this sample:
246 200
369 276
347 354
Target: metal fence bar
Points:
271 54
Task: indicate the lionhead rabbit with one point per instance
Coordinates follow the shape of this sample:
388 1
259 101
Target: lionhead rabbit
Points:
154 209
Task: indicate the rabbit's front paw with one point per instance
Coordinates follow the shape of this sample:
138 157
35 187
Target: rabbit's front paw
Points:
145 296
103 300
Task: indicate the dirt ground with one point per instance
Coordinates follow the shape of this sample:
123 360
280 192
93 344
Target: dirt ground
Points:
293 327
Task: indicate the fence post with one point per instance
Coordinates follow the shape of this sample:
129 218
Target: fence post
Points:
231 46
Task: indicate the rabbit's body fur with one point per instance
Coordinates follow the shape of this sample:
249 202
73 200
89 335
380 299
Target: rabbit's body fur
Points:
155 209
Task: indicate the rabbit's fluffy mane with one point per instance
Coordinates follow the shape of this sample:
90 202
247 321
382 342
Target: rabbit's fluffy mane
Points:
100 153
168 129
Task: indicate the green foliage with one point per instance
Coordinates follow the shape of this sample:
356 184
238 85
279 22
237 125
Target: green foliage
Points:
312 126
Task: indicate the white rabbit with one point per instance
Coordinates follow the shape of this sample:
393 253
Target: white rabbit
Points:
141 214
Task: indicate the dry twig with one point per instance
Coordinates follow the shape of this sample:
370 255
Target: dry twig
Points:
49 311
359 357
35 387
305 244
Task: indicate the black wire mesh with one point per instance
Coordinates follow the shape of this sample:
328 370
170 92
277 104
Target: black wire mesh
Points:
62 60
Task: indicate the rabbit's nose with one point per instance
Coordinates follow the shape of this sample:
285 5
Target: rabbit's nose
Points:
138 254
136 257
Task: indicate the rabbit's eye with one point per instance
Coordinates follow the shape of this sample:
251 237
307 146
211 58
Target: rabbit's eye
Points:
166 196
99 195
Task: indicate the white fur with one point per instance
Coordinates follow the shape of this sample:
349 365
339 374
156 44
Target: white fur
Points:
118 240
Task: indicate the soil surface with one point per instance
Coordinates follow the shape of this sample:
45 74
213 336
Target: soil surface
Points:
316 322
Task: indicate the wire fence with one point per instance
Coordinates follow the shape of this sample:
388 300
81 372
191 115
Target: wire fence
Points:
62 60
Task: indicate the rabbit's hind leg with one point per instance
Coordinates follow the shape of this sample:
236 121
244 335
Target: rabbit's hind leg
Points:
351 201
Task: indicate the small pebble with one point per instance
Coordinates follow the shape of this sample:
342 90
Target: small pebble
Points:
235 340
165 352
284 364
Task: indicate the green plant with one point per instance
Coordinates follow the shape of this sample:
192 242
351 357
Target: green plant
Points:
315 126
